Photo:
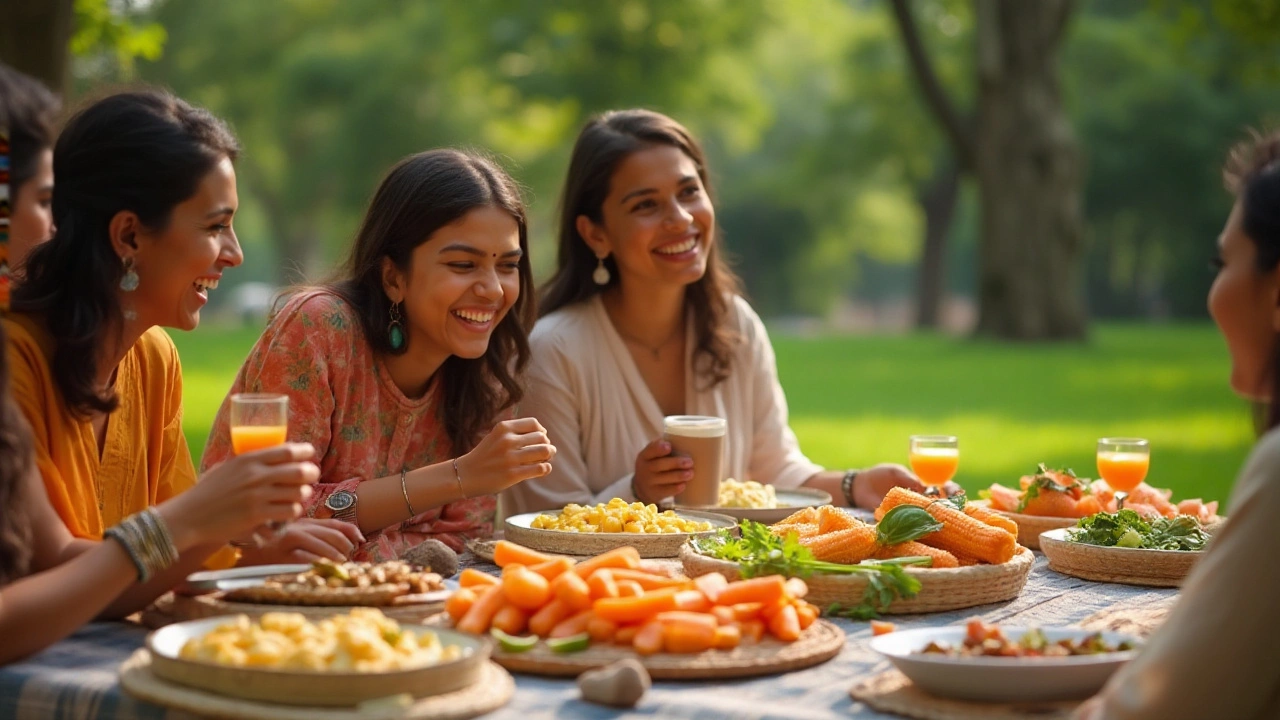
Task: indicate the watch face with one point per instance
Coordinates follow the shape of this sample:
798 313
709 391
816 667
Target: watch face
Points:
340 500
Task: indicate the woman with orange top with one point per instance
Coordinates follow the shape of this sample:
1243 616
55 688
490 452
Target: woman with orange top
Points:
1215 656
643 319
402 371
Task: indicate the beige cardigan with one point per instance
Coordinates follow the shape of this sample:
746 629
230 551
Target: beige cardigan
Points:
1218 653
584 387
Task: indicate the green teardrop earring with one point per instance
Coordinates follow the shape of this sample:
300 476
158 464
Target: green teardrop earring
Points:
395 330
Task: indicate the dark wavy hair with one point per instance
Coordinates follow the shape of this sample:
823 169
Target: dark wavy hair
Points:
28 109
1252 173
601 147
144 152
420 195
15 465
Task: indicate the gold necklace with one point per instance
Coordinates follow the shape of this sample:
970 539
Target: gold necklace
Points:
654 351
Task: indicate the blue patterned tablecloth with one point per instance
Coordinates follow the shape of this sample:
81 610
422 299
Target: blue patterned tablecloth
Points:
76 679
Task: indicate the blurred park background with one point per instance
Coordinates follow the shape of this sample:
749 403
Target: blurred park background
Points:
983 217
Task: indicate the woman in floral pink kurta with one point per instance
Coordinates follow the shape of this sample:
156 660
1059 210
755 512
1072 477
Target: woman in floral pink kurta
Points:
342 401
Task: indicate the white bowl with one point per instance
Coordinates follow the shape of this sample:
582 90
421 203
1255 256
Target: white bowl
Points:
997 679
319 688
789 502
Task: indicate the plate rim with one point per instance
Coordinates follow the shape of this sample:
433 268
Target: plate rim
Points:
247 572
1005 663
1059 535
814 493
690 514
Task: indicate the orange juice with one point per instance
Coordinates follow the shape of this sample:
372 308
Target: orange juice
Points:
247 438
1123 471
935 466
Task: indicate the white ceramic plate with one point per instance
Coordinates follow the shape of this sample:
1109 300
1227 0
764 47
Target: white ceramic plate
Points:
293 687
789 501
650 545
995 679
207 581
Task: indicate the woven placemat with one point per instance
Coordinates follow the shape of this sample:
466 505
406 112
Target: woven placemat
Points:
892 692
1141 622
819 643
1128 566
941 589
492 692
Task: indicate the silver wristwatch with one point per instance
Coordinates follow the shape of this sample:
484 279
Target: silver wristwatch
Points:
343 505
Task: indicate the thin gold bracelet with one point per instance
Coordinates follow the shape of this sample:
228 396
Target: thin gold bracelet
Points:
458 476
405 489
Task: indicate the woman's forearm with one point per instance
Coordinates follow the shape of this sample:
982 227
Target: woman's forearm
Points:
139 595
382 500
829 481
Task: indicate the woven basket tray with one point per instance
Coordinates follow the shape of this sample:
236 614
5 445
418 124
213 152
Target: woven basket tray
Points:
892 692
650 545
185 607
819 643
1129 566
1030 527
940 589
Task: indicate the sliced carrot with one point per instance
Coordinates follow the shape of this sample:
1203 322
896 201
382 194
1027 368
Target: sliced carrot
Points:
525 588
601 630
762 589
625 635
602 585
648 640
796 587
711 585
623 557
548 617
727 637
692 600
768 610
747 611
572 590
572 625
880 627
474 578
553 568
511 619
681 637
459 603
785 625
648 580
636 609
480 615
506 552
723 615
752 630
807 615
629 588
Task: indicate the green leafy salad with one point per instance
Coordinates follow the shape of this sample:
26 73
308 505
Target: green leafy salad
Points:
1128 529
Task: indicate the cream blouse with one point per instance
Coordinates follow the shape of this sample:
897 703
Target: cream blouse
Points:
584 387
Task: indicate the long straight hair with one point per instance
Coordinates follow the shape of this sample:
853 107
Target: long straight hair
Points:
15 466
601 147
140 151
421 194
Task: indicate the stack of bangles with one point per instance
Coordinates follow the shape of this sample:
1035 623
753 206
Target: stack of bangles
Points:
146 539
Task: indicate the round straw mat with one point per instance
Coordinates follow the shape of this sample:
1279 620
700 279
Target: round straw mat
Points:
1129 566
892 692
492 692
940 589
185 607
819 643
1140 621
650 545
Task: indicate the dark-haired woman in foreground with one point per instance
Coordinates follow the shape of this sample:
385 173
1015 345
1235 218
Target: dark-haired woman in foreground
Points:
402 370
643 319
142 218
1216 654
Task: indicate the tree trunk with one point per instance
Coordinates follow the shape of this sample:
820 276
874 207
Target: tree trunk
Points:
1029 174
938 200
34 38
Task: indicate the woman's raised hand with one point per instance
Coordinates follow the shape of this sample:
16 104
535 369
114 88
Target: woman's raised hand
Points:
659 474
513 451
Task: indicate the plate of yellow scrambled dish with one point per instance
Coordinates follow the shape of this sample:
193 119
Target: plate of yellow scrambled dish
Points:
592 529
343 660
750 500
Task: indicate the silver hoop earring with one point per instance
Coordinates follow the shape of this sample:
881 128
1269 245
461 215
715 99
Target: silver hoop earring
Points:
129 282
601 276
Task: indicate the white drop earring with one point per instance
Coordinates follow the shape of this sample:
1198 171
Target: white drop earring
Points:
601 275
128 283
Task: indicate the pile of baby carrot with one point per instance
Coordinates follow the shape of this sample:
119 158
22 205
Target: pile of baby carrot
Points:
612 600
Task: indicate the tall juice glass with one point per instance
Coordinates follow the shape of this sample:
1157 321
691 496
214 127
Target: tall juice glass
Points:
1123 463
934 459
259 421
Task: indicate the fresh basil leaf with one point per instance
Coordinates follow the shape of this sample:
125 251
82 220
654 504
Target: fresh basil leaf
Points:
904 523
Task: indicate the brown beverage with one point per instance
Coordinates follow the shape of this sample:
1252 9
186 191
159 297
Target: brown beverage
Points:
701 438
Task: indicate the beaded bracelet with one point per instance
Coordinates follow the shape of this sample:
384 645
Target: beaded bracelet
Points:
146 539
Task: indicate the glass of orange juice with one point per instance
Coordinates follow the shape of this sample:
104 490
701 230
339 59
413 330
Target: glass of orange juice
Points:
934 459
1123 463
259 421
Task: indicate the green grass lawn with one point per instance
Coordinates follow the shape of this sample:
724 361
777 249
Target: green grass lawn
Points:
854 400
